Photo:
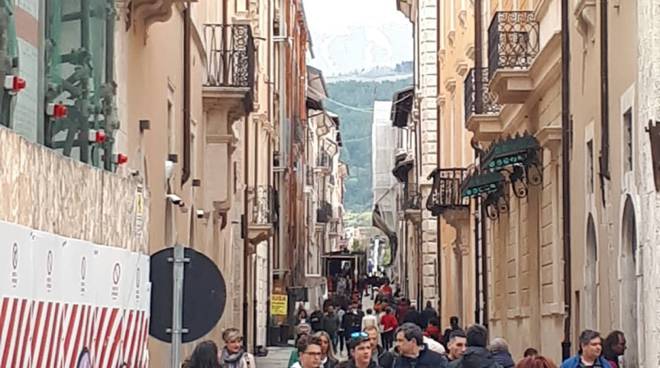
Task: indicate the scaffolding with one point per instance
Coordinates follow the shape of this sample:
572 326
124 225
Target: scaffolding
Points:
79 53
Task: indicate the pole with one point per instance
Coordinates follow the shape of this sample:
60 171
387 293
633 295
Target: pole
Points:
438 158
246 224
565 168
177 329
480 219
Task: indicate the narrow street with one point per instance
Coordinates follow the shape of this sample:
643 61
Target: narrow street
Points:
173 171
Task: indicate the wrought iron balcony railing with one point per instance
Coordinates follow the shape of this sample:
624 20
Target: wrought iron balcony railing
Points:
446 193
412 199
264 208
324 212
513 40
231 56
489 104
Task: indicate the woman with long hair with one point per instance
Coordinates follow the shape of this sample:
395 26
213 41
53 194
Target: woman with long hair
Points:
205 355
328 359
536 362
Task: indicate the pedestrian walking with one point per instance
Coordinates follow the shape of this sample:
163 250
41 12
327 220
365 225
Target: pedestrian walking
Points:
374 337
360 352
500 350
428 314
341 337
316 320
389 324
301 314
309 351
413 352
530 352
331 324
453 326
536 362
369 320
413 316
328 359
614 347
233 355
476 354
589 353
433 330
456 346
205 355
302 330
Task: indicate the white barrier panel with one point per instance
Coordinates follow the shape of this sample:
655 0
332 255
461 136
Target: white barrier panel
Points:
67 303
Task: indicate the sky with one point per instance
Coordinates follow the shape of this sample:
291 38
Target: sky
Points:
351 35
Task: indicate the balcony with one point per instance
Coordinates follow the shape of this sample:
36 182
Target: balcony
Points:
264 214
324 213
446 193
230 67
334 228
513 44
482 120
412 202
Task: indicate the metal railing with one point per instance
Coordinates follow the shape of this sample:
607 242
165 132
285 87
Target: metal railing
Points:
513 40
231 56
412 198
324 212
264 209
446 192
489 104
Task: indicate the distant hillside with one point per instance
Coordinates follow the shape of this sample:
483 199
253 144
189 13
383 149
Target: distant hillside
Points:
356 132
403 70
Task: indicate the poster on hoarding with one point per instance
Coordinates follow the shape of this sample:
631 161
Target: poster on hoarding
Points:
278 305
70 303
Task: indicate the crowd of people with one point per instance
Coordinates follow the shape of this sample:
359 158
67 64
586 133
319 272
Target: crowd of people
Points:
394 334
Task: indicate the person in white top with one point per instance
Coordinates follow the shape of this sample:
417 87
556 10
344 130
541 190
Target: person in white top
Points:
369 319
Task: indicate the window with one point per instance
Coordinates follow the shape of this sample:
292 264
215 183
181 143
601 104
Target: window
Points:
171 143
627 141
590 166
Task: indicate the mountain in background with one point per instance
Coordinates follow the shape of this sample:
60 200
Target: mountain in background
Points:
403 70
356 121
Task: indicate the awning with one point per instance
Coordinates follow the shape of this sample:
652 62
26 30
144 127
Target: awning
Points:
509 151
379 222
481 183
402 107
316 89
403 163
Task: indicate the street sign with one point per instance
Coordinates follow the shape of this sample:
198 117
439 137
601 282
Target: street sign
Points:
204 295
278 305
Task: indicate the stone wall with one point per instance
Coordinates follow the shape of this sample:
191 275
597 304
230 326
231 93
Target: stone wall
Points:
648 79
427 93
44 190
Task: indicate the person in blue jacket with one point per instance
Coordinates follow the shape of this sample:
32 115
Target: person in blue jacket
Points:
589 354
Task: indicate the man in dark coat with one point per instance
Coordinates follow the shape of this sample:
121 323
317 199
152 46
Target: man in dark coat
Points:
500 350
428 314
453 326
476 355
413 352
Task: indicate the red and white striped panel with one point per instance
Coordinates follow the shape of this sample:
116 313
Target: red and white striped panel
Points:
53 335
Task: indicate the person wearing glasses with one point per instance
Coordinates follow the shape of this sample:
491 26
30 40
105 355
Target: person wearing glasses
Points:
309 352
360 352
413 352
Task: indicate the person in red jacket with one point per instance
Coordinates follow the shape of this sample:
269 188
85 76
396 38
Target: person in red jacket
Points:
433 330
390 324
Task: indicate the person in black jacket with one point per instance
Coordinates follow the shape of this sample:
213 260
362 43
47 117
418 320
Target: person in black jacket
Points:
476 355
316 320
351 323
500 350
413 352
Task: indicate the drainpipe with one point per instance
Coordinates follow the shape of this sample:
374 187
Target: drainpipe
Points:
269 159
604 100
565 167
479 222
186 94
245 225
281 39
438 146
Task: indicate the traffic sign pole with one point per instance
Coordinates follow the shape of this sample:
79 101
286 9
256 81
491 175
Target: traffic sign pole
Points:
177 329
